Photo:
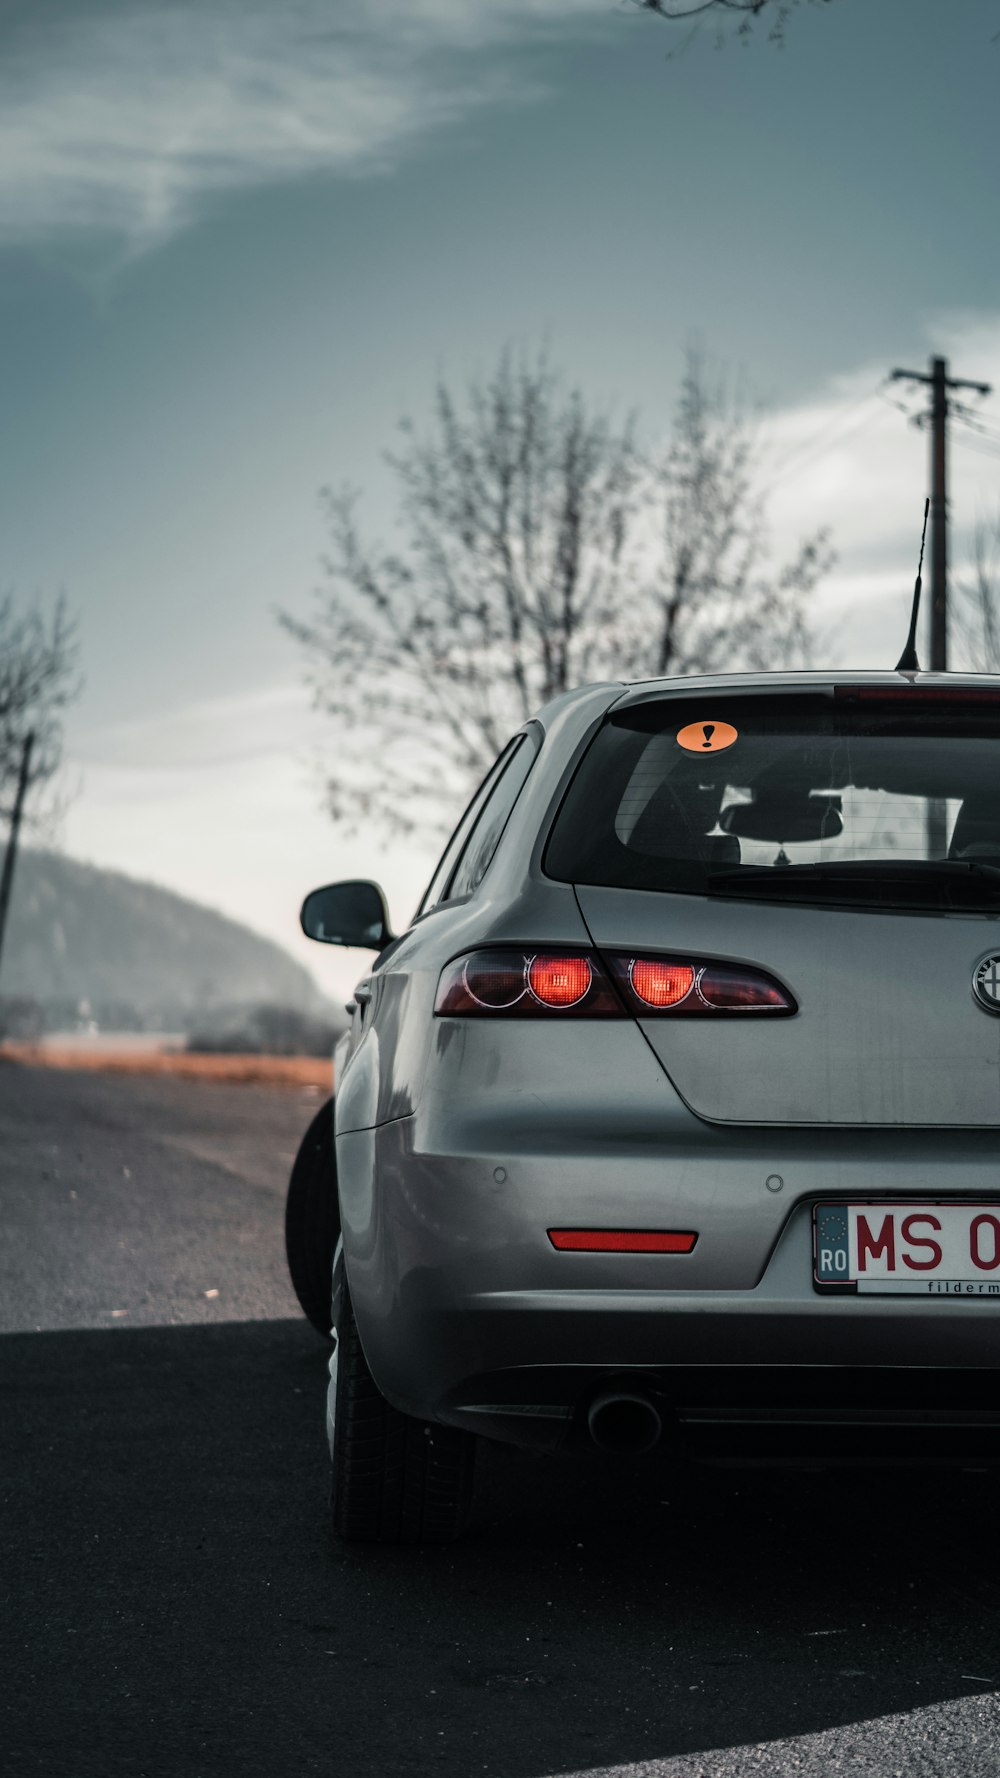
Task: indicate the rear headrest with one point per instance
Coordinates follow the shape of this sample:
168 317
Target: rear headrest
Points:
978 827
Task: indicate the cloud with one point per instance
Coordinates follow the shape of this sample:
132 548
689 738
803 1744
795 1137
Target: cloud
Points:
209 735
125 121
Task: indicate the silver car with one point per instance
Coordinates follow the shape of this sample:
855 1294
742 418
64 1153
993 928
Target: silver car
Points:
670 1122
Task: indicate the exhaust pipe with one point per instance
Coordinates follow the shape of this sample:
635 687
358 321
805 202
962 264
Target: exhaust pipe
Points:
622 1420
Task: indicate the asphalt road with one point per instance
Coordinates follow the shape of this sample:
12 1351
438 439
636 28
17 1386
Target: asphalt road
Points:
173 1603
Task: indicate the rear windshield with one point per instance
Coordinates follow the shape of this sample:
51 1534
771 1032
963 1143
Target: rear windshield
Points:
843 795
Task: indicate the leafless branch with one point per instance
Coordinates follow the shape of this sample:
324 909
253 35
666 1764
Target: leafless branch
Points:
746 12
542 548
38 680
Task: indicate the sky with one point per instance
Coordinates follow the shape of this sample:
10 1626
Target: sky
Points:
238 241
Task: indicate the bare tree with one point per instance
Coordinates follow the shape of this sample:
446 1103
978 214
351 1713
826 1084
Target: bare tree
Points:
541 548
711 600
733 17
38 679
516 506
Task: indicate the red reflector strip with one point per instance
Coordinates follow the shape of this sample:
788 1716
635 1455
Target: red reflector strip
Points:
622 1240
918 694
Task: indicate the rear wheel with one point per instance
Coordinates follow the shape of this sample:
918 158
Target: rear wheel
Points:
396 1479
312 1220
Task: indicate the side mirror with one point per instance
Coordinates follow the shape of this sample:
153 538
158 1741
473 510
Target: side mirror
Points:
347 914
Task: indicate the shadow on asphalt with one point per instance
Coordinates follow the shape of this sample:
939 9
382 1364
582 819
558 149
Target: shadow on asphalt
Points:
175 1603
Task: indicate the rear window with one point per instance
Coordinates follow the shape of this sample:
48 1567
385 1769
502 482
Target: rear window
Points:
885 797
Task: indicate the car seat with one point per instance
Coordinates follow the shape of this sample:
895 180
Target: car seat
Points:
977 830
670 827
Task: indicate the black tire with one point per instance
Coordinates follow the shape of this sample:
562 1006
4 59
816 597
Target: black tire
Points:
395 1479
312 1220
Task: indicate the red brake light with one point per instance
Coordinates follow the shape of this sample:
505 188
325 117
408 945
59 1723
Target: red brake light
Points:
559 981
918 694
660 983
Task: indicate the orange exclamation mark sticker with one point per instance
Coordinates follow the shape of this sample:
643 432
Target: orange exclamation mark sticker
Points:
707 737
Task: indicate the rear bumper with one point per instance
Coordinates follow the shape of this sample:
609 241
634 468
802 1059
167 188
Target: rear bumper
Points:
468 1315
523 1365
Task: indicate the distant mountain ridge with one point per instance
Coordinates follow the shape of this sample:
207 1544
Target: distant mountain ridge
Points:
83 942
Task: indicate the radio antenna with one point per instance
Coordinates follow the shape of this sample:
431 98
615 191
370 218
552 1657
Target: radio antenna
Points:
908 662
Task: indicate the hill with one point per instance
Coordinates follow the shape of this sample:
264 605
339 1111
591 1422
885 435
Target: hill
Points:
86 943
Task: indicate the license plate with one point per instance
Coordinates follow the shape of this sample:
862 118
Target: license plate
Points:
939 1250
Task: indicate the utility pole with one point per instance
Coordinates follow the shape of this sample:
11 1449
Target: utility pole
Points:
7 879
939 383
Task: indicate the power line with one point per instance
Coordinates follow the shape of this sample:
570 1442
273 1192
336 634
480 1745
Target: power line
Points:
975 424
841 414
806 456
983 447
910 413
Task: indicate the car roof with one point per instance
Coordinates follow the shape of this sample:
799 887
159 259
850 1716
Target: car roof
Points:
641 690
638 691
607 695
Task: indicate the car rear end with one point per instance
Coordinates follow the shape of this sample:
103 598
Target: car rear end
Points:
708 1115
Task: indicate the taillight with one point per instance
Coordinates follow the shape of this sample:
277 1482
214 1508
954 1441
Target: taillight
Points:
527 984
560 981
741 990
658 983
580 984
491 981
689 988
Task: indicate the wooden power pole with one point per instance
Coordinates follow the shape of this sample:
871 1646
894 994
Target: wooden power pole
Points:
7 878
939 383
